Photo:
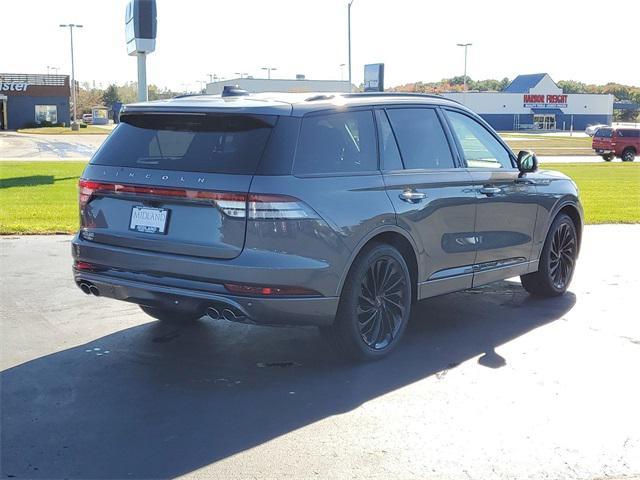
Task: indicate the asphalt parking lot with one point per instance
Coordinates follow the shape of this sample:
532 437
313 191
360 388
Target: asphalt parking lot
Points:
488 383
22 146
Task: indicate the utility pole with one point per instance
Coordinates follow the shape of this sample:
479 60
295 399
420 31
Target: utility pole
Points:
74 125
349 40
464 79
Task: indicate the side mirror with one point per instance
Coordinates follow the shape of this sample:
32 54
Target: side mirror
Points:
527 161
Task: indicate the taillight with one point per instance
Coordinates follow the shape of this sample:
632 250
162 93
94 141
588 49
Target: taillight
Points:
242 289
277 207
231 203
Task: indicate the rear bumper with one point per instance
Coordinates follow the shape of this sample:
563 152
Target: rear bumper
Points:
265 311
603 151
171 281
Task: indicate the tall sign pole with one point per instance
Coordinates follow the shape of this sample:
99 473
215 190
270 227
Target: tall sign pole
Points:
143 91
140 29
349 40
74 125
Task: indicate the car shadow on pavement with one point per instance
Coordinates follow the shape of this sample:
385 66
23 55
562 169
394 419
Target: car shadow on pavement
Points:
33 181
157 400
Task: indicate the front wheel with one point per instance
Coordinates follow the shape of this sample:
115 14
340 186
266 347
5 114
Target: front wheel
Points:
170 316
374 306
557 261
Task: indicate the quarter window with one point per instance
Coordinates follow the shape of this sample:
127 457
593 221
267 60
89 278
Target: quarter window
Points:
337 143
479 147
389 153
421 139
46 113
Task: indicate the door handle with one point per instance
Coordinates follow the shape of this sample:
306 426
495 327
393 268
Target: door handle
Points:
490 190
412 196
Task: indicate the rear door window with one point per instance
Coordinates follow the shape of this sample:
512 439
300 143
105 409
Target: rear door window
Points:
629 133
421 138
212 143
337 143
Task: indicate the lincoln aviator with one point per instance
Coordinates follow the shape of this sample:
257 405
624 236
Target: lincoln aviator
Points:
335 210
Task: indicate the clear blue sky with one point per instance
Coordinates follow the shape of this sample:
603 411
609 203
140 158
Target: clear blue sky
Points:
416 39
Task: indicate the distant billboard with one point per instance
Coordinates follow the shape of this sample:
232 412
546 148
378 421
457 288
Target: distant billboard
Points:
141 26
374 77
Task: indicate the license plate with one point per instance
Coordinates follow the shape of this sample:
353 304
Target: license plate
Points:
149 220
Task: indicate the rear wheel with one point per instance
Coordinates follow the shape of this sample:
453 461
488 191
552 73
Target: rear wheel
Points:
169 315
557 261
628 155
374 306
607 157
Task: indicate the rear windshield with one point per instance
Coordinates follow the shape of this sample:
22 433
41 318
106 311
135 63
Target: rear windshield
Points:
211 143
603 133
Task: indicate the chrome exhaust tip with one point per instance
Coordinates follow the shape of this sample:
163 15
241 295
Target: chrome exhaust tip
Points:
213 313
85 287
94 290
229 315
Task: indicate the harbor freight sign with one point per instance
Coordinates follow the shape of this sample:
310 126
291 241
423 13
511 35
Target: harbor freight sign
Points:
541 101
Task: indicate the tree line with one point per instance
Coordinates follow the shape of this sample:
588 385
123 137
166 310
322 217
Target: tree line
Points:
89 96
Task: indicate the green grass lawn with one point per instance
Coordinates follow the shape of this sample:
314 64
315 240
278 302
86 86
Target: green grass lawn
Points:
89 130
548 144
610 192
42 197
39 197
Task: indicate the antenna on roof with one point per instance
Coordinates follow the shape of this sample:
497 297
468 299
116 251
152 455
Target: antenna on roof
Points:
231 91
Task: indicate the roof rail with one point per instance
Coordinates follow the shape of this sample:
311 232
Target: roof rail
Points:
398 94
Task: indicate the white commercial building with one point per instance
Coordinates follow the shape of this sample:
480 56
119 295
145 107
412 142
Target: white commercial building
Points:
258 85
536 102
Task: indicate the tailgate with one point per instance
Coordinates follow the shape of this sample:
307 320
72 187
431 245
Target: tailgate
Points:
174 183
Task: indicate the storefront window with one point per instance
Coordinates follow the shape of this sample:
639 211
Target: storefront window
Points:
46 113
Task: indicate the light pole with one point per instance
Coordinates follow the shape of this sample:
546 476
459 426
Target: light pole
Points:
71 26
243 74
349 39
464 80
269 70
342 71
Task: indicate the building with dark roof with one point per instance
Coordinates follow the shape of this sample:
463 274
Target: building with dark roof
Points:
33 99
536 102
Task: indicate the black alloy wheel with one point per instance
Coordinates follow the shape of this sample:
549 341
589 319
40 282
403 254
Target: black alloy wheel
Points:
562 256
375 305
557 260
381 303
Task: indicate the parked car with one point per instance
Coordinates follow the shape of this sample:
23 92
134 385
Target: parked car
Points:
592 129
87 118
621 142
335 210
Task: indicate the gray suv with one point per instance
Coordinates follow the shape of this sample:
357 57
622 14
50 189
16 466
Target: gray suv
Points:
334 210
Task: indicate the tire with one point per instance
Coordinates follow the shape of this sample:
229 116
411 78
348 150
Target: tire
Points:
555 270
628 155
369 323
170 316
608 157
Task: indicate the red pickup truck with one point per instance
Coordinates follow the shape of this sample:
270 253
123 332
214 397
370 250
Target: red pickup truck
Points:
622 142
